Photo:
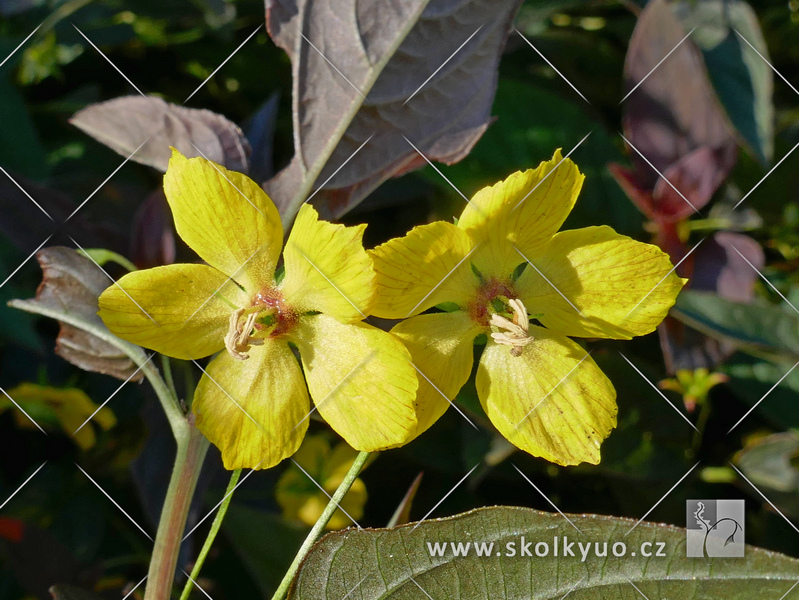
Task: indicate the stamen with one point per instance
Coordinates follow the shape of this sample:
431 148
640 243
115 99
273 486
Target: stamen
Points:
516 332
238 340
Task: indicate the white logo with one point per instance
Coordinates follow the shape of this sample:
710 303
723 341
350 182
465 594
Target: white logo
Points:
714 528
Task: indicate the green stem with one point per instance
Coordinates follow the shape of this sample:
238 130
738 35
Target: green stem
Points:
209 541
168 378
192 446
317 529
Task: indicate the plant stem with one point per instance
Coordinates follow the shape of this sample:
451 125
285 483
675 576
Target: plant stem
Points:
192 446
172 409
319 526
220 515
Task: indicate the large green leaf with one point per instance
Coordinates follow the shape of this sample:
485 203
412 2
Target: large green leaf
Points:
730 38
758 328
396 563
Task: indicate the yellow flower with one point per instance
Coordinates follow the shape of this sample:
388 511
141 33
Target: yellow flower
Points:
252 401
301 499
503 264
68 407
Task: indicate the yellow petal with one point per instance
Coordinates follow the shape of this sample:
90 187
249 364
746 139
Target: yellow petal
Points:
361 380
621 287
255 411
178 310
441 347
328 269
226 218
428 266
525 209
553 401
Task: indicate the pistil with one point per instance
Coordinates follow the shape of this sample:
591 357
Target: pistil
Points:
513 333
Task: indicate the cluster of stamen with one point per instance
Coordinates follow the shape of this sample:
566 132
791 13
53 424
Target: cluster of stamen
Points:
239 337
513 333
267 316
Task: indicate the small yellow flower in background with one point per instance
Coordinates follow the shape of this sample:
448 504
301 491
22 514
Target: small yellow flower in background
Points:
503 264
252 401
301 500
68 408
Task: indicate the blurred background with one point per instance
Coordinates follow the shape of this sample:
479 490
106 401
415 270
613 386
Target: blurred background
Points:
715 124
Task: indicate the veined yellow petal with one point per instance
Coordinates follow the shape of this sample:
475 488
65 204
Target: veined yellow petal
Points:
600 284
552 401
255 411
361 380
428 266
178 310
441 347
328 269
226 218
526 209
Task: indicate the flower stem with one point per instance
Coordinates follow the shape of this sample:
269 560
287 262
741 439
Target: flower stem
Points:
192 446
220 515
319 526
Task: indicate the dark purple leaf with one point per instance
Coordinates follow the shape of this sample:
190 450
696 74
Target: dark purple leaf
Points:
152 242
382 55
124 123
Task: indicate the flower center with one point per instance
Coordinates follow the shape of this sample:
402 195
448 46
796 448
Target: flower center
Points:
267 316
513 333
493 298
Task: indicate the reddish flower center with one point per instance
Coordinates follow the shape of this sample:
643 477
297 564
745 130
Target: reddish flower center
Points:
479 308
